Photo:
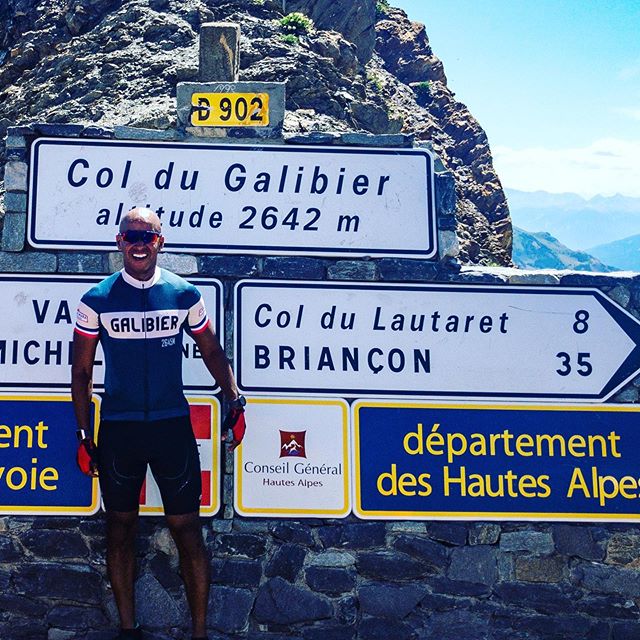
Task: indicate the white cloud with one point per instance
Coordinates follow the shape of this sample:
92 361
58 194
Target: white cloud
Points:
630 72
607 166
634 114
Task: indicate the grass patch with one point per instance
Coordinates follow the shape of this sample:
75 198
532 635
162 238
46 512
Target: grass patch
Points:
422 91
289 38
374 80
296 23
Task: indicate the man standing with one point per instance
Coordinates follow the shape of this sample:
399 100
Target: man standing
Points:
139 314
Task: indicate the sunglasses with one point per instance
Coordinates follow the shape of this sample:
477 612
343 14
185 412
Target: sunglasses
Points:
131 236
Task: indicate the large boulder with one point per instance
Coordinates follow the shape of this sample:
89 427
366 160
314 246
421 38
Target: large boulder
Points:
356 21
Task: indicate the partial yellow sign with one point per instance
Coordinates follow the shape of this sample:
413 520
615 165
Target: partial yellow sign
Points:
230 109
38 472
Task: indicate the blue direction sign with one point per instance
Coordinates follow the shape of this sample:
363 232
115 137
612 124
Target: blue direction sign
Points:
38 473
346 339
436 461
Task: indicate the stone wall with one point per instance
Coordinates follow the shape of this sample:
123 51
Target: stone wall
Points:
321 579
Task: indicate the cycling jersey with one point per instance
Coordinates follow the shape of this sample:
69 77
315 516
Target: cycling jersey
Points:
140 326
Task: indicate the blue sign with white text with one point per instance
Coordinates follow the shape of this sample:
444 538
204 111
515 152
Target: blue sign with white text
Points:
38 473
427 461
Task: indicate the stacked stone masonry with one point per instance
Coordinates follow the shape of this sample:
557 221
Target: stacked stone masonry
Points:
277 579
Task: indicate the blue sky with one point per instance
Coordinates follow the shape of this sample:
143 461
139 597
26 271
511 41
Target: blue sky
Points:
554 83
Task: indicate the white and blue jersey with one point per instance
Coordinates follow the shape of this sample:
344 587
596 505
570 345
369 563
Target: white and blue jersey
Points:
140 326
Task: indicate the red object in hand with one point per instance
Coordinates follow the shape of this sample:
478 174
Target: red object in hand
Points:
87 457
234 427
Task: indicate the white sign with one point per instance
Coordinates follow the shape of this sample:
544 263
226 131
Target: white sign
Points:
294 459
432 340
36 332
264 200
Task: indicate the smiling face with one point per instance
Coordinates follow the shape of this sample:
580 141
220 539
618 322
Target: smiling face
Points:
140 257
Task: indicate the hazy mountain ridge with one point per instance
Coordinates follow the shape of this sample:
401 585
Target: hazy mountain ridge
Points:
553 228
574 221
624 254
540 250
572 201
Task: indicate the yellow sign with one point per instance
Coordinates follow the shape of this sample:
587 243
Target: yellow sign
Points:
230 109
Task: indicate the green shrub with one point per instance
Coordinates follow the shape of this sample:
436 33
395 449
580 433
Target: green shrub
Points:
382 8
422 91
296 23
375 80
289 38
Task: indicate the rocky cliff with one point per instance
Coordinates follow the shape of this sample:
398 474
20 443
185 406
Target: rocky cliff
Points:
362 67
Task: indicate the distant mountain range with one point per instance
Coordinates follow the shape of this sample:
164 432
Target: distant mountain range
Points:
624 253
591 233
542 251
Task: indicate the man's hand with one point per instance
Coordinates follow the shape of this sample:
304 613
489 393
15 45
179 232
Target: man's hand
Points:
87 457
234 425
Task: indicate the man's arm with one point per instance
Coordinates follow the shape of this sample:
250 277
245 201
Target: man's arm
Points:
216 361
234 425
84 351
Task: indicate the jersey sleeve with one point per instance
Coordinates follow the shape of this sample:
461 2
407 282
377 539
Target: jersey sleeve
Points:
87 321
197 318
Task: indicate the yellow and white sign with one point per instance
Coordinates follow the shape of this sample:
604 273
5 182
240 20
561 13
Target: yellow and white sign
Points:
294 459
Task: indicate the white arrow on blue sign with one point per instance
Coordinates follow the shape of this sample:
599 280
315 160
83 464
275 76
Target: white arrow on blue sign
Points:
433 341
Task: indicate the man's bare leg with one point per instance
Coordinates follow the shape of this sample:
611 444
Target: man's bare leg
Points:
194 564
121 562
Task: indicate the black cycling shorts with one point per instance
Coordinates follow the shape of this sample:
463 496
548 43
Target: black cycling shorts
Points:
125 448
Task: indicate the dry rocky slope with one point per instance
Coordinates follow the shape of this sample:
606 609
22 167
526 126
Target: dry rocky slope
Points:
110 62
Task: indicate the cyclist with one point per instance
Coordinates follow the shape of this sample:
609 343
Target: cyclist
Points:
139 315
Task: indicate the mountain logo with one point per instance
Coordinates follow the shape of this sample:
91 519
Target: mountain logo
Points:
292 444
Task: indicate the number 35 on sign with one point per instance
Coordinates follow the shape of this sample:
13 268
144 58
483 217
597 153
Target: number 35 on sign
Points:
230 109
